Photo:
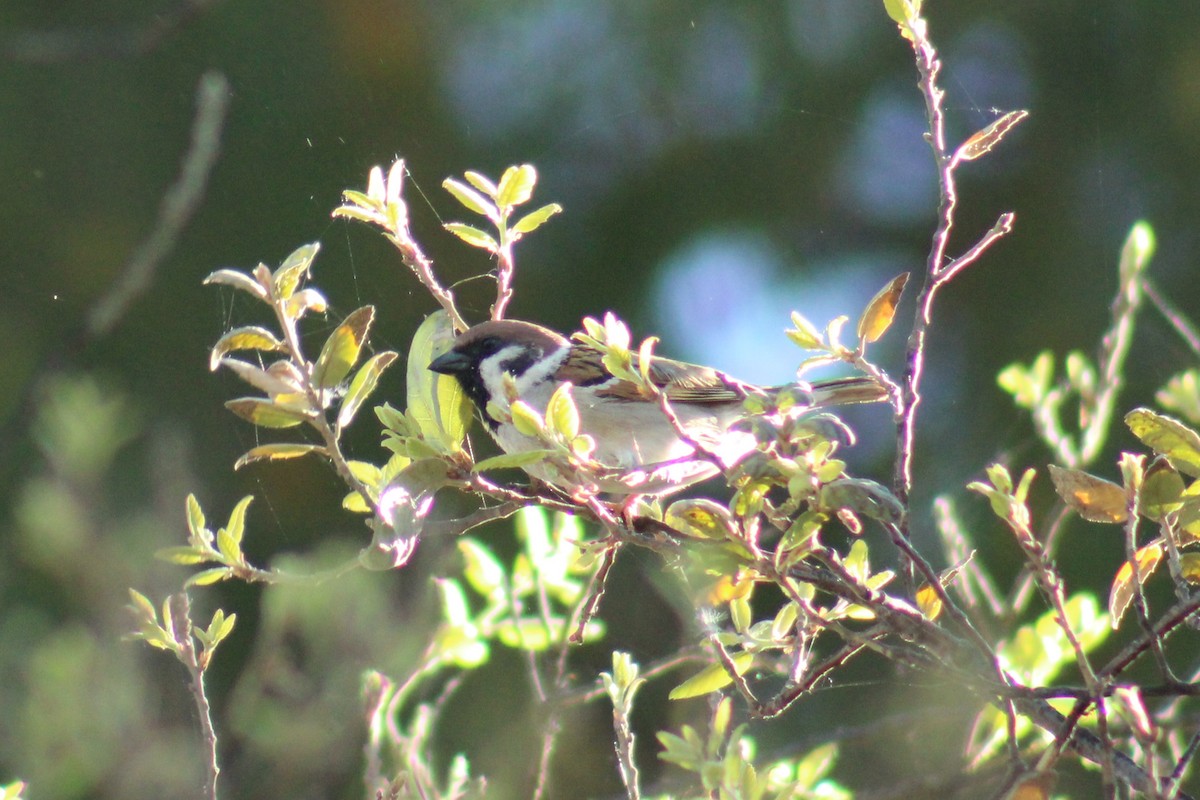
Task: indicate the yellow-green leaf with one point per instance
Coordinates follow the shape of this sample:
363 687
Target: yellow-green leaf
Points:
436 402
362 385
209 576
195 517
929 602
238 280
1093 498
481 182
880 312
535 219
562 414
250 337
711 678
516 186
237 518
267 414
805 334
511 460
700 517
470 198
293 270
1123 587
473 236
1189 564
1162 490
342 348
279 451
259 378
181 555
1167 437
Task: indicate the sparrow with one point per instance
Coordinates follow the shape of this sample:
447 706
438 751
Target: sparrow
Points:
638 447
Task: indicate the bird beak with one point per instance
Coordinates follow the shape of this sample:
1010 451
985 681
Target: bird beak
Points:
451 363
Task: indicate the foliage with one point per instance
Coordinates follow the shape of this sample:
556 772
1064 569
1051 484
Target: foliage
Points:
804 568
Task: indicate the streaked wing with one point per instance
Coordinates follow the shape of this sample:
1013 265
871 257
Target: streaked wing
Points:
684 382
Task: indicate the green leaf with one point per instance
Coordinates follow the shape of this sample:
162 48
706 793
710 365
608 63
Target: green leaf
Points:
1168 437
516 186
293 269
711 678
238 280
237 518
187 556
535 219
1124 588
862 496
228 546
1162 490
1093 498
266 413
511 460
805 334
562 414
473 236
259 378
470 198
342 348
142 605
530 634
362 385
481 182
880 312
250 337
195 519
436 402
483 570
209 576
279 451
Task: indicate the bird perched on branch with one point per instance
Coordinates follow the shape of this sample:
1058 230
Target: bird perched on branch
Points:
656 436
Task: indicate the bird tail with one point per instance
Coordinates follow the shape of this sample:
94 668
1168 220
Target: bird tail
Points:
847 391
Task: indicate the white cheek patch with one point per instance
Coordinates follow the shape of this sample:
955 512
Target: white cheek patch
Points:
492 372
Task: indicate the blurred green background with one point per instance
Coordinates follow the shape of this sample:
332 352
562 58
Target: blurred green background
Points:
720 164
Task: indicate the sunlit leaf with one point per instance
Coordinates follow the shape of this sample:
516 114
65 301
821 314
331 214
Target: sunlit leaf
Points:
362 385
700 517
250 337
238 280
470 198
880 312
535 219
195 518
981 142
861 496
481 182
342 348
805 334
711 678
257 377
1189 567
1167 437
561 413
1093 498
209 576
1162 490
186 556
1123 587
287 278
512 460
279 451
267 414
516 186
473 236
436 402
929 602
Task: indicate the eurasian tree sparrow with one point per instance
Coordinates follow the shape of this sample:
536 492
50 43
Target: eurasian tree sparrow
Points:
636 442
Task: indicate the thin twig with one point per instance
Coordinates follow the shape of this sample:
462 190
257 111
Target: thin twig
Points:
178 205
181 631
